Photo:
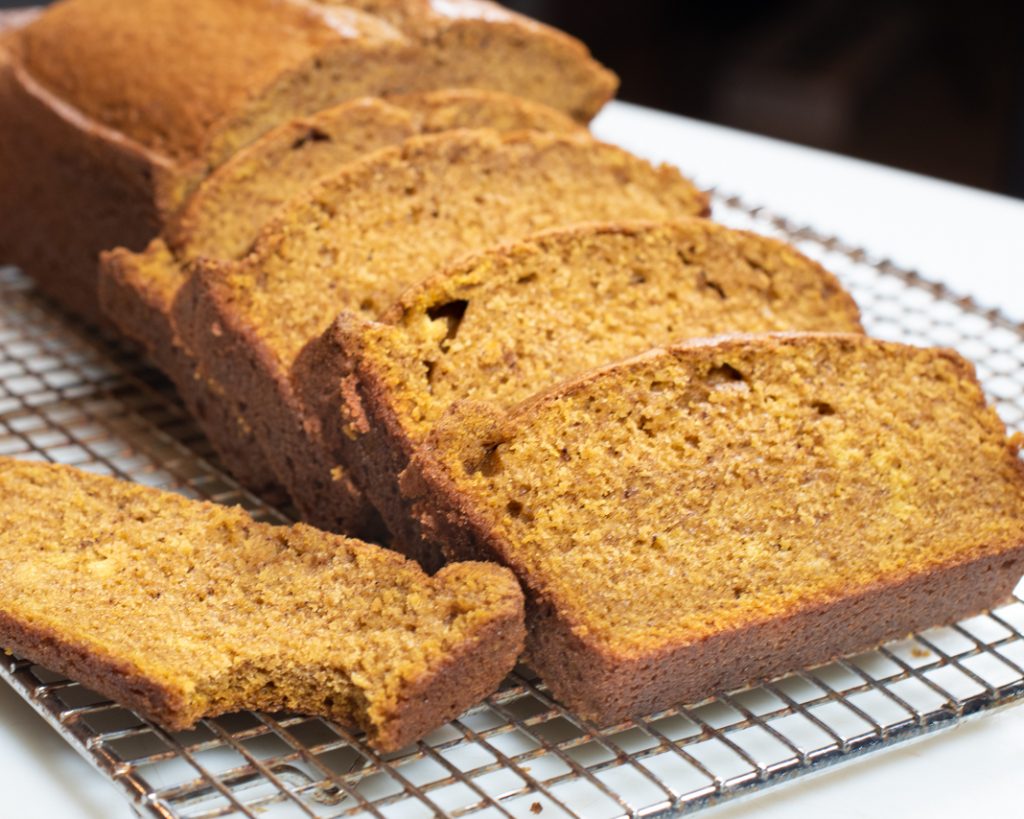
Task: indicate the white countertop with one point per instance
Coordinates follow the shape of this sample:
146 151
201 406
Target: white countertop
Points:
969 239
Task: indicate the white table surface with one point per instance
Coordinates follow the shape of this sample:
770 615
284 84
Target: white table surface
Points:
972 240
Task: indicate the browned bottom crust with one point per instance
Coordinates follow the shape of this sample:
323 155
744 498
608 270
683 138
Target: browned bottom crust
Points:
459 682
140 317
114 679
607 688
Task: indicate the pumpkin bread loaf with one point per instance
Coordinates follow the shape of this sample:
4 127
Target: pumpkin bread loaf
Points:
715 513
507 322
115 121
180 610
364 235
222 217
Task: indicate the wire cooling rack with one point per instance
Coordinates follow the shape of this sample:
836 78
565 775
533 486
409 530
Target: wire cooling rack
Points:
70 395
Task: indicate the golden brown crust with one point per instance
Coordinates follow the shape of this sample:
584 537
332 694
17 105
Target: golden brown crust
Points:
112 59
608 684
461 680
608 690
252 50
246 369
361 429
466 676
67 191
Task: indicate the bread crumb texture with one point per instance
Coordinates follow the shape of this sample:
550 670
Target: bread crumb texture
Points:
218 612
712 486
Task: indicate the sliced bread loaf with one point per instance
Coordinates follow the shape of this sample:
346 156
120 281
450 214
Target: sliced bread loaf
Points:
117 110
180 610
367 233
223 215
719 512
505 323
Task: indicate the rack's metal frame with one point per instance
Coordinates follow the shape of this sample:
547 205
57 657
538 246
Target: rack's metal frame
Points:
71 395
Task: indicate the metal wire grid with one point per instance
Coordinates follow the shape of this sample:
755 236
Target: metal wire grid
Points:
72 396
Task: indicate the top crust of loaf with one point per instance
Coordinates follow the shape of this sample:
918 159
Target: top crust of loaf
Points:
133 66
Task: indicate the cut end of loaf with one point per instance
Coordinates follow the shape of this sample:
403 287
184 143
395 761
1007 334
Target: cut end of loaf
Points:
381 223
220 221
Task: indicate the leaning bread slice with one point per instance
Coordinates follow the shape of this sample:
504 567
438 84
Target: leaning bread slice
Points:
504 324
364 235
222 217
181 609
715 513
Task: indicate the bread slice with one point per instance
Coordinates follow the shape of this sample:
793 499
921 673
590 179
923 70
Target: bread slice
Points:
180 609
510 321
718 512
112 165
369 232
223 215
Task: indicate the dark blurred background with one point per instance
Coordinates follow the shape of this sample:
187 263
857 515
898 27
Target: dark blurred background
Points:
934 87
